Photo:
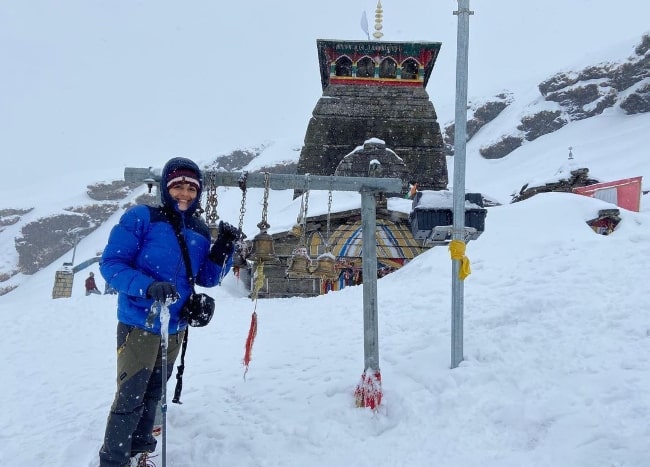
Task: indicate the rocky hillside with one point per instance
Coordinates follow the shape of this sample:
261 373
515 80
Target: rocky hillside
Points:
566 97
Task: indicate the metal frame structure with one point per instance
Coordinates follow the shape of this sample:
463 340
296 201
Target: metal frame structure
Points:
367 187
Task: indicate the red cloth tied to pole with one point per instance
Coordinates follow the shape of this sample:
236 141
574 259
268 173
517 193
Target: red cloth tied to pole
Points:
368 391
250 340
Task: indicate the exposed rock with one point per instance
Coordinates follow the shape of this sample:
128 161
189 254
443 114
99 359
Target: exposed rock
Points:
236 159
147 198
557 82
280 169
97 213
644 46
630 73
7 289
637 103
11 216
46 239
541 123
482 115
112 191
505 146
577 178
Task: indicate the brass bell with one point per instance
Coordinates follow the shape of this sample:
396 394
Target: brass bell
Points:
297 230
263 250
326 267
299 267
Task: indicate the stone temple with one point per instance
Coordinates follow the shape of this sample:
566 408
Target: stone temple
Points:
376 89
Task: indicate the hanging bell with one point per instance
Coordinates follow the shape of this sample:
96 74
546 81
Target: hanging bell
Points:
326 267
263 250
297 230
299 266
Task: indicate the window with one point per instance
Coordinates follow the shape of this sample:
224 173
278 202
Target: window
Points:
366 68
410 69
388 68
343 66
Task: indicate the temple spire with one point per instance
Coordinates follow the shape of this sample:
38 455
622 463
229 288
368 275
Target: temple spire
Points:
379 14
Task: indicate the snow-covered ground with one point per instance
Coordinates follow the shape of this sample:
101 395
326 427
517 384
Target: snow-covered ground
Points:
555 368
556 331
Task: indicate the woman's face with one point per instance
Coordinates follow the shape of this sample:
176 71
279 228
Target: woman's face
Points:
184 194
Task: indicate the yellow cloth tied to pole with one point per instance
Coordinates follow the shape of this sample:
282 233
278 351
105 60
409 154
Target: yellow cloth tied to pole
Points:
457 251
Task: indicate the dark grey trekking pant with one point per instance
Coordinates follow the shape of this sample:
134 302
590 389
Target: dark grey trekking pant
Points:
139 388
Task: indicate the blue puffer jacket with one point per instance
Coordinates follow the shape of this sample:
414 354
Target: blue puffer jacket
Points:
142 248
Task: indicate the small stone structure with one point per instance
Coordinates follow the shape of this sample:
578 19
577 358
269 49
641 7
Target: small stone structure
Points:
63 281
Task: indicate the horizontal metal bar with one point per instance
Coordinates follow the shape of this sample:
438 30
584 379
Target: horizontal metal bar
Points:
279 181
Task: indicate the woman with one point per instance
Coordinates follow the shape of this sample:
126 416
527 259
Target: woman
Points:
144 263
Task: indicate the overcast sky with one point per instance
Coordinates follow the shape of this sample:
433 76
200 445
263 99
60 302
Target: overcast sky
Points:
88 83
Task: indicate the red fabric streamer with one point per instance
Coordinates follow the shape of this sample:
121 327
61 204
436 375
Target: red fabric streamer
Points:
252 332
368 392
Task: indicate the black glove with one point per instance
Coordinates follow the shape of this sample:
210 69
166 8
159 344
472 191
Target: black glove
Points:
225 244
162 291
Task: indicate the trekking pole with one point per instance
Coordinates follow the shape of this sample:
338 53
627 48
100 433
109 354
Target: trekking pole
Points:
164 337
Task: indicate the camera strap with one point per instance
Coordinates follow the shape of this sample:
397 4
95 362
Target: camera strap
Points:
180 369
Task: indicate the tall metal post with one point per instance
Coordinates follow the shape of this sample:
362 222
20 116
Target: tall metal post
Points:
75 238
74 248
369 270
460 146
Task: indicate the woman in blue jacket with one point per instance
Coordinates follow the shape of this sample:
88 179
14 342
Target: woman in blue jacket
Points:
144 263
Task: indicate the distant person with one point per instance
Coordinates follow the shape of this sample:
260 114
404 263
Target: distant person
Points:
144 262
413 189
91 286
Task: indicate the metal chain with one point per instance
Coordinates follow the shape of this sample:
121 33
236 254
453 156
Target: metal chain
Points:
302 209
212 201
329 211
264 225
242 209
304 216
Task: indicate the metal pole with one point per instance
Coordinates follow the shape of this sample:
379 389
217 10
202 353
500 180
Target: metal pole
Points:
281 181
164 340
369 270
460 140
163 401
74 248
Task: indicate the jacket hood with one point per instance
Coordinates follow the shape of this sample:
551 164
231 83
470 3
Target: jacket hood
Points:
170 166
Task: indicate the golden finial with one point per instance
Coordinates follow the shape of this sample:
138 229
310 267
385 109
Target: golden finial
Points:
379 13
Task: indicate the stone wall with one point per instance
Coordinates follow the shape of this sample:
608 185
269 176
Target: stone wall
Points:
403 117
